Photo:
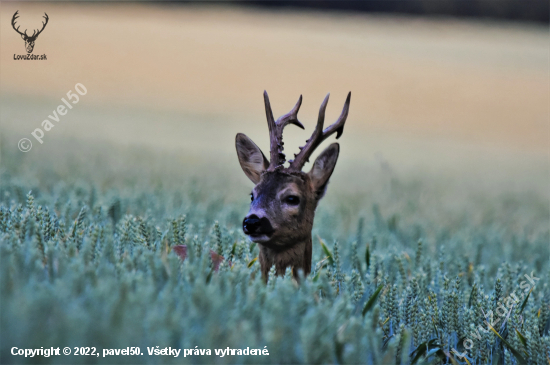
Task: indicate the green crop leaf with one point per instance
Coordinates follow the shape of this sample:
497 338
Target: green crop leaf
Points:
339 349
525 301
318 273
521 337
516 353
249 265
326 251
370 303
422 348
434 351
209 276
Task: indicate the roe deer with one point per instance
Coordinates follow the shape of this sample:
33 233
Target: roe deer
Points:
284 200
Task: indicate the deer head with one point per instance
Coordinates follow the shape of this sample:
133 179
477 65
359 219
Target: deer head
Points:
29 40
284 199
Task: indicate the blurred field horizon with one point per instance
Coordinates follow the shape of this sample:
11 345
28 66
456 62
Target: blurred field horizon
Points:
459 103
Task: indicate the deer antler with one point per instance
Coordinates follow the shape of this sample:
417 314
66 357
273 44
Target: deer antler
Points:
319 135
43 26
15 16
277 157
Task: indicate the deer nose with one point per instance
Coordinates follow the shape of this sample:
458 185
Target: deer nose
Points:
251 224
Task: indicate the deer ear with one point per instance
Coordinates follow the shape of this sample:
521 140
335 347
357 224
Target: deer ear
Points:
323 168
251 158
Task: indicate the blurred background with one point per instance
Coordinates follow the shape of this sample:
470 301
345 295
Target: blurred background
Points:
452 94
530 10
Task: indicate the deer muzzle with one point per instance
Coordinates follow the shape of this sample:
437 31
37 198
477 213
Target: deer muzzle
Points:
255 226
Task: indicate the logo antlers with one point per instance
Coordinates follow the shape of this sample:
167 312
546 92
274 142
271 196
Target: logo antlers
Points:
29 41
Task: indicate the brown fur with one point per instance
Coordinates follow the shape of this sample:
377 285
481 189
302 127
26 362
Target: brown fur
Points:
284 200
298 257
290 244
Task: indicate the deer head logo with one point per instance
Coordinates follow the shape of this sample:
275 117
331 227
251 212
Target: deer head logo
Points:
284 200
29 40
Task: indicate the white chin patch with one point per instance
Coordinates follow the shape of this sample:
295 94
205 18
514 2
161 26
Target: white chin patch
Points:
261 238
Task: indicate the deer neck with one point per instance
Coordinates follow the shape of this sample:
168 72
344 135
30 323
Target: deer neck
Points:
297 257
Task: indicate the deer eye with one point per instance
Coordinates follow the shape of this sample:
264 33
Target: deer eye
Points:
251 197
292 200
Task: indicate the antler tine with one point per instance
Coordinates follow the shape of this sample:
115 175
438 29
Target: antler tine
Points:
311 144
321 117
273 139
15 16
277 157
338 126
319 135
291 117
43 24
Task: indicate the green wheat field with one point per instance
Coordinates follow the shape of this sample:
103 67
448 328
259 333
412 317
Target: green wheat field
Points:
87 259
